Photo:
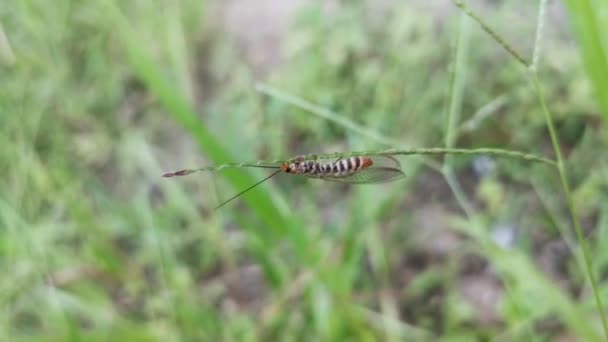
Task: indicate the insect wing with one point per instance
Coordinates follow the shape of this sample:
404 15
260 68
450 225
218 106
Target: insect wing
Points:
370 176
385 161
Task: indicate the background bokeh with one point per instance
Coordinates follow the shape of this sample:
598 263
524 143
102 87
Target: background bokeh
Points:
99 98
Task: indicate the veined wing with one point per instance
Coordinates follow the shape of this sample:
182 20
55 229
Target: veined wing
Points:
380 174
385 161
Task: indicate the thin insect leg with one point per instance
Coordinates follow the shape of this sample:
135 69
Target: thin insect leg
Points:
249 188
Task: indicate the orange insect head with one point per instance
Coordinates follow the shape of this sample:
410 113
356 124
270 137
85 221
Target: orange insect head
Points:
285 167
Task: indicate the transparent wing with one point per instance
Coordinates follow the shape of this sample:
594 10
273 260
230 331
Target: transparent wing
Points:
385 161
371 175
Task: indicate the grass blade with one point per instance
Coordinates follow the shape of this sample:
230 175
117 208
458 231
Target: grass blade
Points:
589 31
180 110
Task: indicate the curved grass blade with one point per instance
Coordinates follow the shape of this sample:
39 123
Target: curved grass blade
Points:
179 108
273 164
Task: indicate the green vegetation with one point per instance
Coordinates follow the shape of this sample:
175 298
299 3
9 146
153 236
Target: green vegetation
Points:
99 99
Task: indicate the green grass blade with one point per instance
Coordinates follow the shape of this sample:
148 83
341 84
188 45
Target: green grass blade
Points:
180 110
324 113
496 152
491 32
590 29
454 107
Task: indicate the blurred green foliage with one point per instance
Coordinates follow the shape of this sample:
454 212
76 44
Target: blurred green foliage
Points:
99 98
588 18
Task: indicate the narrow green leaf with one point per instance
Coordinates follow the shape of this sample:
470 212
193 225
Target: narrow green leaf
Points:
180 110
589 30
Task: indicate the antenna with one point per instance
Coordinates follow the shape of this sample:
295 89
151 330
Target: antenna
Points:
249 188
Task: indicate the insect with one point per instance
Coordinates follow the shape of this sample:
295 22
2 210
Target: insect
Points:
363 169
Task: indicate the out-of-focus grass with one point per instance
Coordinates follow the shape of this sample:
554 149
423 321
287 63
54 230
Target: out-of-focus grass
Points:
95 245
588 19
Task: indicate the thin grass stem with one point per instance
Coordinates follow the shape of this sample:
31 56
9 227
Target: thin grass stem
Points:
455 96
559 162
442 151
273 164
570 202
492 33
562 170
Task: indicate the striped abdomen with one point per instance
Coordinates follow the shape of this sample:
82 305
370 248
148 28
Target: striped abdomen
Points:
340 168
